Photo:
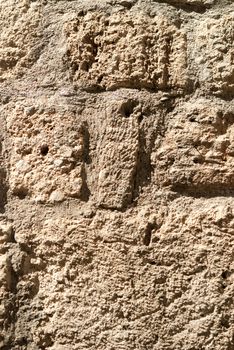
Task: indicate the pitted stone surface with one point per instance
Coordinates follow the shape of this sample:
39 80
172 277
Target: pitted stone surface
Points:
48 140
214 54
126 50
120 141
197 150
116 175
20 42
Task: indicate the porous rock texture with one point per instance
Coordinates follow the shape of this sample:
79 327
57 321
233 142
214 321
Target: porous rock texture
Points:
116 175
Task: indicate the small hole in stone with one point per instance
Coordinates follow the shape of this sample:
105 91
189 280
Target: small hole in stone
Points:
85 66
99 79
224 274
81 13
197 161
192 119
22 341
74 67
21 193
44 150
148 235
127 108
128 111
140 118
225 323
155 239
95 49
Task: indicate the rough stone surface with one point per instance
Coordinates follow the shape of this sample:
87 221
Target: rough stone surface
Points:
46 153
21 40
214 54
196 151
126 50
116 175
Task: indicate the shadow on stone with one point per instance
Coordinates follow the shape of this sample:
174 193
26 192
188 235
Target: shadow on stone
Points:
3 190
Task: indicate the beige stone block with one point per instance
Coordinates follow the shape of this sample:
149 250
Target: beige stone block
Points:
197 150
46 154
117 152
213 54
126 50
20 44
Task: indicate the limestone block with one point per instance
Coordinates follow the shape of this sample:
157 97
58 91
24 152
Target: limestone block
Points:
121 130
117 156
46 154
126 50
197 151
116 175
99 287
19 36
214 54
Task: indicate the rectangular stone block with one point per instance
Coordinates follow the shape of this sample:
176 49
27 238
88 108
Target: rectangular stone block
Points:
126 50
214 55
117 154
197 151
46 153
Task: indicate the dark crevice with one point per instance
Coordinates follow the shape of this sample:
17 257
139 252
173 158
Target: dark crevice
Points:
100 78
97 89
203 192
127 4
22 342
127 108
85 192
3 190
121 209
21 193
147 239
143 168
225 323
225 274
226 96
166 74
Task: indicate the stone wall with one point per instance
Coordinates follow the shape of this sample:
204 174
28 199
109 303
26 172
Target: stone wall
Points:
116 175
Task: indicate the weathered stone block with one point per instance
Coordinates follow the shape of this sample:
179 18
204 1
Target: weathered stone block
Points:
197 151
214 54
46 153
126 50
19 38
117 152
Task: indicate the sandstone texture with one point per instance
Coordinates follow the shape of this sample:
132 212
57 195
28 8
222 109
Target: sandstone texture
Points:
117 175
126 50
